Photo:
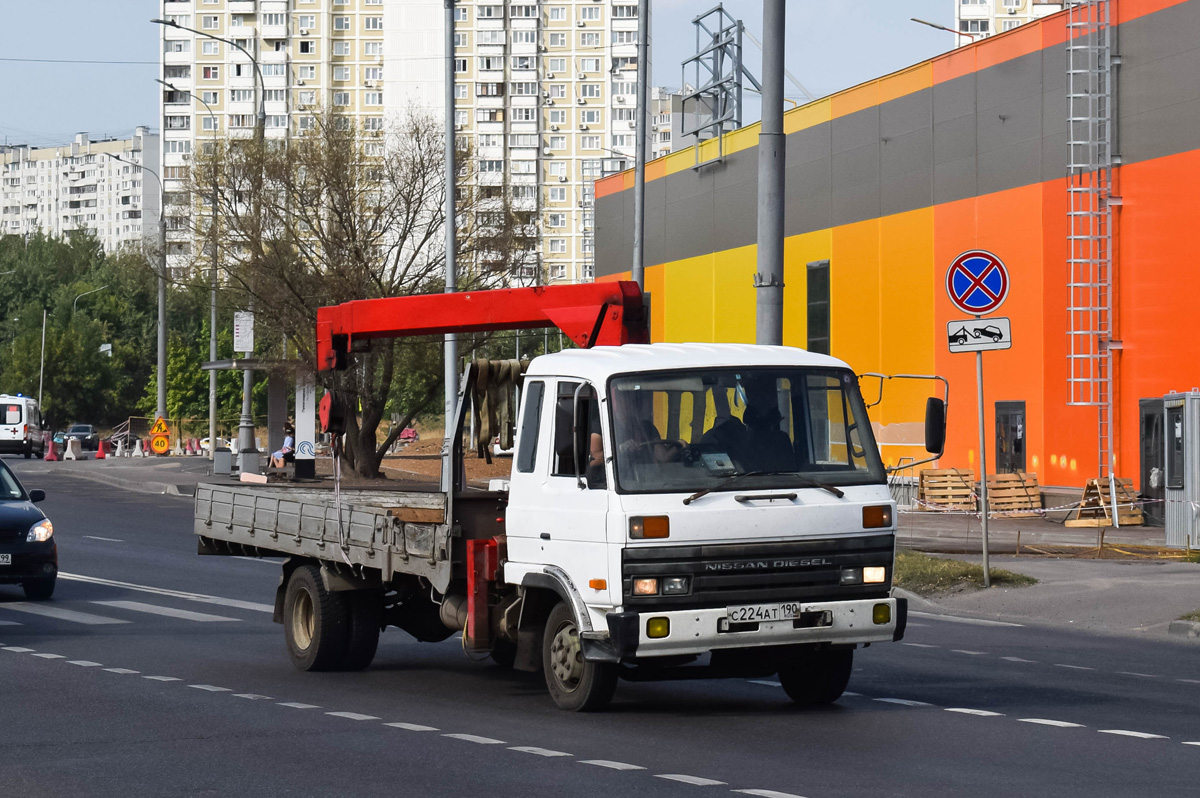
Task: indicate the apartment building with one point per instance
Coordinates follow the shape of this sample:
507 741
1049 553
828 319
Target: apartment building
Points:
978 19
544 94
60 191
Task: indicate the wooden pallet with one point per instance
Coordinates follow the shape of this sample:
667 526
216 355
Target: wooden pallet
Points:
1095 508
1015 495
944 489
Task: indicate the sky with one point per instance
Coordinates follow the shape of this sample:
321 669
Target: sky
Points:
831 45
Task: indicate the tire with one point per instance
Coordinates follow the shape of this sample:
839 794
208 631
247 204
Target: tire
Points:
817 677
365 613
316 623
574 683
28 452
39 589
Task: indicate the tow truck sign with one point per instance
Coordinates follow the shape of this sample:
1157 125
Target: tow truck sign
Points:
979 335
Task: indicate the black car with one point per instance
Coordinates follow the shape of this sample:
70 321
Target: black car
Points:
28 552
86 434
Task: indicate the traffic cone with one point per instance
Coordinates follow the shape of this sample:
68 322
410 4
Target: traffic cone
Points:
101 450
51 452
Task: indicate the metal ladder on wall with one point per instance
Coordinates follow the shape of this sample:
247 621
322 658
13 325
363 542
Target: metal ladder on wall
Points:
1090 163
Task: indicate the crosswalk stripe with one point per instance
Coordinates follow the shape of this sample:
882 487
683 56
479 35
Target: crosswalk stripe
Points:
161 591
170 612
59 613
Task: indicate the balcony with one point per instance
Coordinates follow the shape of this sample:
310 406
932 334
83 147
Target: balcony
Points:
274 31
242 6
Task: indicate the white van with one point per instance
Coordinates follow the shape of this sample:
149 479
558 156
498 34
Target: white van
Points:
21 426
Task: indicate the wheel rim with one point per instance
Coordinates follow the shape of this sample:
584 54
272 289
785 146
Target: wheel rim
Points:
302 620
566 657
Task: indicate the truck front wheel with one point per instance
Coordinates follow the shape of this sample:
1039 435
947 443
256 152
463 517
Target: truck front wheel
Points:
316 623
574 683
817 677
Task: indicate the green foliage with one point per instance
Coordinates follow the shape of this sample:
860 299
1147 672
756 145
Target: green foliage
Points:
927 575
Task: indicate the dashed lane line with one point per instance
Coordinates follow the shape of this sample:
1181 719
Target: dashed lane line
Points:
1138 734
982 713
210 688
163 678
58 613
533 749
122 671
610 764
106 540
766 682
161 591
1062 724
17 649
169 612
768 793
904 702
475 738
352 716
1021 660
1192 743
416 727
695 780
253 696
1189 681
969 653
920 645
44 655
1142 675
1073 667
297 705
84 663
960 619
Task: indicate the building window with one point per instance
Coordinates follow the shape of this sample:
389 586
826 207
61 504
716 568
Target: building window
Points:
589 64
523 140
306 73
818 307
306 21
341 23
372 48
973 25
489 89
341 98
558 246
624 12
624 87
523 167
491 62
557 14
310 47
523 88
522 62
463 118
524 192
591 117
624 37
589 12
306 98
210 22
589 90
491 12
373 23
557 118
460 65
460 14
491 167
558 142
210 48
589 142
209 123
177 71
524 37
522 12
373 98
460 40
462 91
524 115
623 141
556 220
277 120
556 168
341 73
490 140
1008 24
557 40
241 95
589 40
273 20
211 73
373 73
268 70
557 194
557 91
373 123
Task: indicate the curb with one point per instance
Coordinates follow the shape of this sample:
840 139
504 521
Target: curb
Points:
159 488
1189 629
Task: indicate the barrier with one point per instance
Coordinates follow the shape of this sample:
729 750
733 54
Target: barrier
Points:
138 451
51 455
73 450
121 448
178 452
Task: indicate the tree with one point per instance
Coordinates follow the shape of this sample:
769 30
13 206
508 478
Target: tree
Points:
338 214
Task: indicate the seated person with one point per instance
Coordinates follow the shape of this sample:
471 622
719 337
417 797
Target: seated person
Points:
280 458
770 447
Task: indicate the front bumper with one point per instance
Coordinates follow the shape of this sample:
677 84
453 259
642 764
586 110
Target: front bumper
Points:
29 561
698 631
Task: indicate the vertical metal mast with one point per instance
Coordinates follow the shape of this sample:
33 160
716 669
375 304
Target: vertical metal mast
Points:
1089 222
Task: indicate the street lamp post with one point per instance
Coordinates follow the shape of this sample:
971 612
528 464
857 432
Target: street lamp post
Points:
970 36
75 304
246 423
212 323
161 404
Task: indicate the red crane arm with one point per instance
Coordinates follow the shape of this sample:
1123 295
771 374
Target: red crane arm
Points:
591 314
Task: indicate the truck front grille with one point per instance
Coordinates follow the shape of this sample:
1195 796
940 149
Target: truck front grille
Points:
721 575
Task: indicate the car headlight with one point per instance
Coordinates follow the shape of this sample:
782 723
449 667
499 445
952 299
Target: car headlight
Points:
40 532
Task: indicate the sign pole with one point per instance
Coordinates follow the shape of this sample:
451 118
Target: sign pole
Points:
983 491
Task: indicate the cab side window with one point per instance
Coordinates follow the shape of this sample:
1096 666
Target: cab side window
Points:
564 423
531 424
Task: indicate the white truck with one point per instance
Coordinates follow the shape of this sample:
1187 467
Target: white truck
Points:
674 511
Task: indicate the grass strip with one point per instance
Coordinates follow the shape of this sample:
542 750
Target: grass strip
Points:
1191 616
925 575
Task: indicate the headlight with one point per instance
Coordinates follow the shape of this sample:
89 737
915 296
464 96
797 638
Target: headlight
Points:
675 585
645 587
40 532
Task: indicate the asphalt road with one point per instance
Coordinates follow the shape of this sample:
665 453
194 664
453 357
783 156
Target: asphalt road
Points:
154 671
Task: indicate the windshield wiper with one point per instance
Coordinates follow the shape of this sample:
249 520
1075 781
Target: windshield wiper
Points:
733 479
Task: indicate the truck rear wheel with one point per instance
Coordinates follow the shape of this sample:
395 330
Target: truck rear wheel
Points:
365 613
817 677
316 623
574 683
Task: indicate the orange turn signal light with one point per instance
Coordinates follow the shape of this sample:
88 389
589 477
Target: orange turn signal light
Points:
877 516
649 526
598 584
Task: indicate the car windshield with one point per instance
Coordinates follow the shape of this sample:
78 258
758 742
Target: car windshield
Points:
10 489
87 428
693 430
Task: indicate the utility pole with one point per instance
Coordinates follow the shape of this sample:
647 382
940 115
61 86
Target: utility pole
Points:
451 365
639 175
771 162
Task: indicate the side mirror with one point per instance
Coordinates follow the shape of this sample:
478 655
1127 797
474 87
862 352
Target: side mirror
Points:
935 425
579 433
37 495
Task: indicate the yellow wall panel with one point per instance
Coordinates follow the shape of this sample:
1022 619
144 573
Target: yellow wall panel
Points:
688 309
734 317
798 252
854 326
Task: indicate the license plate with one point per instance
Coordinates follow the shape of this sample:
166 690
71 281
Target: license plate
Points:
5 559
754 613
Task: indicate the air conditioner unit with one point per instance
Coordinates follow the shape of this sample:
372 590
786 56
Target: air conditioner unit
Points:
1012 10
583 127
371 84
581 101
549 102
621 100
633 125
304 31
549 76
458 127
580 24
652 127
562 178
186 157
299 83
545 150
582 76
554 127
546 94
541 48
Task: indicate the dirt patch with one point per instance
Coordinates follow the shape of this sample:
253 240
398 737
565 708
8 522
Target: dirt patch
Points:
420 464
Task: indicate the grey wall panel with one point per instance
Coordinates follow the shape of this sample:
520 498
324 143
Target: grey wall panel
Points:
810 144
855 130
690 227
954 139
856 203
809 186
905 192
1010 80
954 98
735 222
1019 121
1017 164
910 152
1157 133
1054 156
954 180
611 247
655 246
856 167
906 114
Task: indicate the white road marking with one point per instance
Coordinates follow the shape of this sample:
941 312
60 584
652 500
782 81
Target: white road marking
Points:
849 694
1019 659
964 651
84 663
276 563
1189 681
252 696
904 702
211 688
533 749
1127 733
352 716
17 649
106 540
10 623
294 705
59 613
608 763
957 619
163 678
1197 743
1073 667
764 681
696 780
1135 673
412 727
768 793
49 656
983 713
159 591
122 671
919 645
170 612
1062 724
474 738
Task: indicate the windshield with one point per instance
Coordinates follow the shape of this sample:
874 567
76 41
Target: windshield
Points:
10 489
80 428
691 430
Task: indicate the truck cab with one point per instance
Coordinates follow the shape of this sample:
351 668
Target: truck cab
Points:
694 499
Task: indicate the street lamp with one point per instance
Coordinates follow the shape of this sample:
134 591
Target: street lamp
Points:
246 423
970 36
212 324
161 408
75 304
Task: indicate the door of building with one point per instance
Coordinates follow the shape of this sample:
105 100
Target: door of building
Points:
1153 472
1010 437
